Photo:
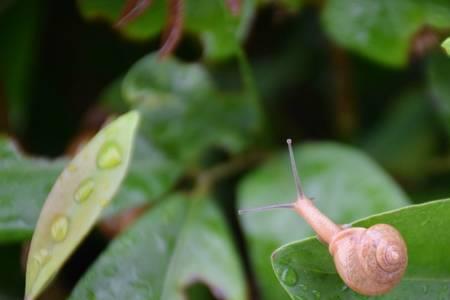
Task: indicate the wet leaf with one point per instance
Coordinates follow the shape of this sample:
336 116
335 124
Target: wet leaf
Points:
425 230
344 183
76 200
382 30
182 241
184 113
211 21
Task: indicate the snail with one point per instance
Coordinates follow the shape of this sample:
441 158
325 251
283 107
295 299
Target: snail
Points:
371 261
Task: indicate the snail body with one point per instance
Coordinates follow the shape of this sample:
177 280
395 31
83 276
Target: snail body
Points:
371 261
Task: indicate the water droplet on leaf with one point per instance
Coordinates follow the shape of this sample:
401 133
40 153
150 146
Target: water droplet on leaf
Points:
109 156
316 294
288 276
84 190
60 228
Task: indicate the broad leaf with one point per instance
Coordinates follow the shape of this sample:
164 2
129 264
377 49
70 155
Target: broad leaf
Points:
76 200
184 114
182 241
210 20
382 30
305 268
344 183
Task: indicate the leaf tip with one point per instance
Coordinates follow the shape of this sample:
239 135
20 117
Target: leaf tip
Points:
446 45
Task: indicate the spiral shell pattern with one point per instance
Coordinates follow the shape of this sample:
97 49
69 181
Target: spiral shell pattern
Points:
370 261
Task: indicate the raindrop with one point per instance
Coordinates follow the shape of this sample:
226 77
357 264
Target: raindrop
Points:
109 156
84 190
288 276
60 228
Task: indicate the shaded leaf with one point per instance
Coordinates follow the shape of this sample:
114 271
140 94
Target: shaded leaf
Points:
182 241
184 114
438 73
344 183
425 230
76 200
210 20
406 139
382 30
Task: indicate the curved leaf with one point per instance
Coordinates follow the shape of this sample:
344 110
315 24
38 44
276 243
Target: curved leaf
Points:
344 183
183 113
382 29
180 242
76 200
425 230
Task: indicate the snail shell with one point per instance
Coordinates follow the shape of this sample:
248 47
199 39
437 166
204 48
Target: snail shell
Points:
370 261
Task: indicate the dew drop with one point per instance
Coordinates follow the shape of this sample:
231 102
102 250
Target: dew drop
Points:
425 289
109 156
316 294
42 257
60 228
303 287
104 202
288 276
84 190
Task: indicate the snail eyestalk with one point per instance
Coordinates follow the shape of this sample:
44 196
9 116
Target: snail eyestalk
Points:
263 208
294 170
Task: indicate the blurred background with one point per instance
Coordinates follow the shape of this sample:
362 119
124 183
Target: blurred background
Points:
359 75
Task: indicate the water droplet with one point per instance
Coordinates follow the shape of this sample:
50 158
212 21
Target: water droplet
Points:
316 294
84 190
344 288
72 168
288 276
104 202
109 156
425 289
42 257
303 287
60 228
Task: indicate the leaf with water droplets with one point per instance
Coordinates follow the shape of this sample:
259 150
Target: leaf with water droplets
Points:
345 184
425 230
182 241
77 199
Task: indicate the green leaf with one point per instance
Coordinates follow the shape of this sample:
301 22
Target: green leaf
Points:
182 241
344 183
438 76
446 45
382 30
184 114
425 230
25 184
406 139
210 20
76 200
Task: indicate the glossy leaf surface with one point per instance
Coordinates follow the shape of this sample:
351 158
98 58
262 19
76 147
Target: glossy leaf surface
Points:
182 241
184 113
344 183
382 30
306 269
83 189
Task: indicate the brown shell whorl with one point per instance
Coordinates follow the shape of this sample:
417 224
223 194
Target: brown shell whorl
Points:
371 261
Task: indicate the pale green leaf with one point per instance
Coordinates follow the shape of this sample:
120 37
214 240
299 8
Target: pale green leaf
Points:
76 200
